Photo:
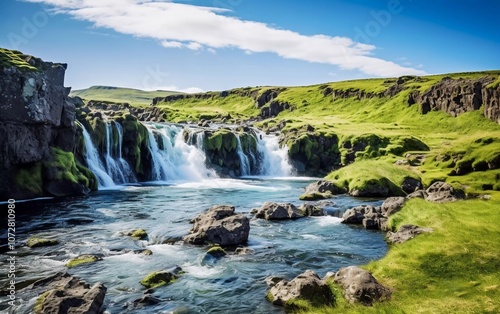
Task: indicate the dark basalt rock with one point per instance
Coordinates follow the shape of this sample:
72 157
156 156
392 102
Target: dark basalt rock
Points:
36 115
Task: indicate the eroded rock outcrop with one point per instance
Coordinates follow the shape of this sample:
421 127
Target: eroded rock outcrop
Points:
405 233
37 123
219 225
457 96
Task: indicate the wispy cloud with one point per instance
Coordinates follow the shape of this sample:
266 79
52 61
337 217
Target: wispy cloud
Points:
177 25
173 88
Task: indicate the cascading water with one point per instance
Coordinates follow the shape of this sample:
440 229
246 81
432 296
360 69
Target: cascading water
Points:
94 161
244 162
173 158
123 164
274 160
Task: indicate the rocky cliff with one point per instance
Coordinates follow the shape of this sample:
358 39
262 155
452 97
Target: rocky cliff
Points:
37 127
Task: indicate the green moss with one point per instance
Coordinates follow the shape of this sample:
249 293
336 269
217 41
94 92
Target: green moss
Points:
34 242
82 259
158 279
366 175
65 167
15 58
138 234
221 139
38 308
29 178
216 251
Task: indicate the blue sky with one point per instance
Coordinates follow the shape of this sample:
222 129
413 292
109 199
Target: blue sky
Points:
193 45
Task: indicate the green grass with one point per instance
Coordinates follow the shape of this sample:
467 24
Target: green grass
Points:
120 94
15 58
454 269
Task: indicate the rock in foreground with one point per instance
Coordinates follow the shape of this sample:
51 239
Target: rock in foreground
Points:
69 294
306 286
219 225
360 286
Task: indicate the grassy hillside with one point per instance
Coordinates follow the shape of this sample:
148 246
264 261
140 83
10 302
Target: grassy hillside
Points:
120 94
455 269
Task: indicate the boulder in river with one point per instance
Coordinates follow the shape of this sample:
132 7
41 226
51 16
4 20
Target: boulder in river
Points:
83 259
159 278
34 242
275 211
311 210
360 286
306 286
320 190
219 225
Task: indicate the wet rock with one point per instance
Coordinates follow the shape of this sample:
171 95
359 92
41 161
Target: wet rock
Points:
219 225
311 210
138 234
69 294
275 211
306 286
369 216
160 278
443 192
320 190
392 205
405 233
34 242
216 251
146 300
360 286
271 281
83 259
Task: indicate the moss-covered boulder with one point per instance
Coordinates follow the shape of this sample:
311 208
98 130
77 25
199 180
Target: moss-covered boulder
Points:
136 146
321 190
83 259
312 153
158 279
34 242
216 251
138 234
221 151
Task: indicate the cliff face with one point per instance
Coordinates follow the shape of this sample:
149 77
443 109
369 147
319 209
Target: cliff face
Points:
459 96
37 132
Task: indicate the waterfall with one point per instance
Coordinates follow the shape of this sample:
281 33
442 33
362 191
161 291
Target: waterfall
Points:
274 160
94 161
173 158
123 164
244 162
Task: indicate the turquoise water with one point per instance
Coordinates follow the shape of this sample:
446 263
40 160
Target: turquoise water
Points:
233 284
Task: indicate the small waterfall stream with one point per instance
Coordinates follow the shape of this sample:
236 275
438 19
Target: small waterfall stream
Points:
94 162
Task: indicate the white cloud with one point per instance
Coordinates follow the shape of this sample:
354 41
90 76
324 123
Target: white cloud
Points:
178 25
171 44
194 46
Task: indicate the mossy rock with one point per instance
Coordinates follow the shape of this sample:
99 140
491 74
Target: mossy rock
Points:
29 178
138 234
216 251
38 308
34 242
83 259
315 196
16 59
158 279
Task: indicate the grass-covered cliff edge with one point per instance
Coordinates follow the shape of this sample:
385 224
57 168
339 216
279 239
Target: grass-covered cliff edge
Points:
442 127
